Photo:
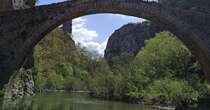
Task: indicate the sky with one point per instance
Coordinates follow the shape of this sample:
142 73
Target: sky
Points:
93 31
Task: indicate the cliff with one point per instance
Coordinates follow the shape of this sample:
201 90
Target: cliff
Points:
128 40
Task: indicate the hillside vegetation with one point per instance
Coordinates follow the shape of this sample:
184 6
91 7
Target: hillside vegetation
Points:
164 71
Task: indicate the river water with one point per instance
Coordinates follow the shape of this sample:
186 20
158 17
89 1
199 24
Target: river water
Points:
76 101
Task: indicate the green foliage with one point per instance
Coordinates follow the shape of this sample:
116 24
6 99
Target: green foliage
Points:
59 64
64 69
40 82
54 81
164 71
164 56
51 81
1 93
99 83
169 92
77 81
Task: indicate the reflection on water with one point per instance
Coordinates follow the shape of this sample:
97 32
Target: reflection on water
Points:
74 101
17 104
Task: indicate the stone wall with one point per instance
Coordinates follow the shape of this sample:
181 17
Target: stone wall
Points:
20 85
5 5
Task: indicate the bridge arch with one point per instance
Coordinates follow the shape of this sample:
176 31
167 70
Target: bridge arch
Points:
56 14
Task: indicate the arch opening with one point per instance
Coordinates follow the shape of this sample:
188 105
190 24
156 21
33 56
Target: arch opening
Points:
164 18
56 14
165 81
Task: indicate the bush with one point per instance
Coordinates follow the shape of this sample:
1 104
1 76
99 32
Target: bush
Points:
171 92
54 81
74 84
51 81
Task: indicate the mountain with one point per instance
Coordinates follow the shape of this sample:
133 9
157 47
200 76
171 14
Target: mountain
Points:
128 40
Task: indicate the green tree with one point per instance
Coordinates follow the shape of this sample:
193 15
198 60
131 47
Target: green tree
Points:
165 56
170 92
58 60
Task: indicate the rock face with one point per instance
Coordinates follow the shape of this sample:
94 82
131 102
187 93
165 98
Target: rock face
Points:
128 40
20 85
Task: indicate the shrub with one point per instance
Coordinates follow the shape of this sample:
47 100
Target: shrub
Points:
171 92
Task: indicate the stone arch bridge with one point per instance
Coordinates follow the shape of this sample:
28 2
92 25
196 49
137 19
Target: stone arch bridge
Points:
21 30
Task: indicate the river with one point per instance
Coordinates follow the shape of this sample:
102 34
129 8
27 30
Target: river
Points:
76 101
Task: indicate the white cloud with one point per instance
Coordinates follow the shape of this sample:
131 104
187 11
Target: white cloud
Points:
94 46
87 37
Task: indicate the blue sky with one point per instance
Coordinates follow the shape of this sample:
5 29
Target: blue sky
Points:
93 31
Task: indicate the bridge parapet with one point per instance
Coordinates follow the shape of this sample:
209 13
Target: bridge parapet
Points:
8 5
